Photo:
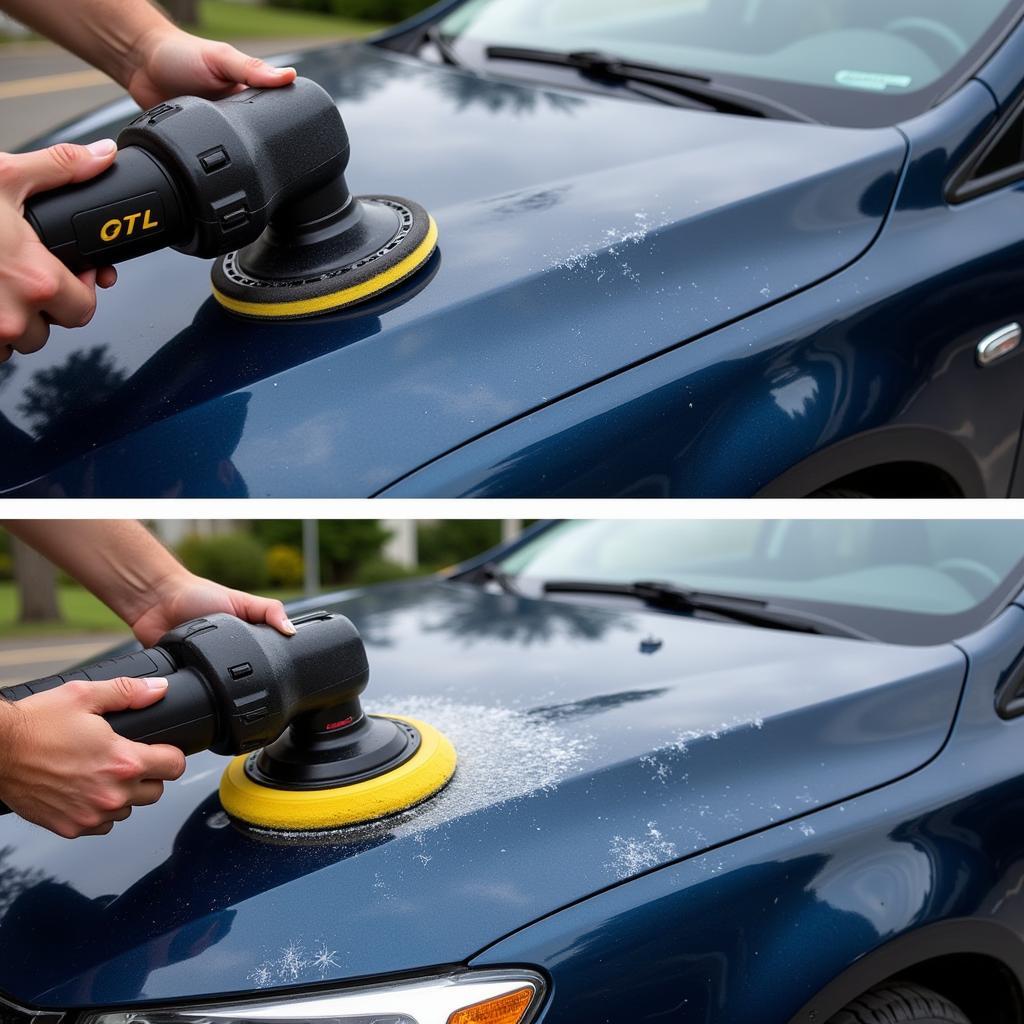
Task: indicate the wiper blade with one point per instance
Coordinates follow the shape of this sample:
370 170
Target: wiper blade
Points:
491 572
689 84
443 44
750 610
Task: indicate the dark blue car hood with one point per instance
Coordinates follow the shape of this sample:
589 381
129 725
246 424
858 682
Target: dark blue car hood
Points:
594 744
579 234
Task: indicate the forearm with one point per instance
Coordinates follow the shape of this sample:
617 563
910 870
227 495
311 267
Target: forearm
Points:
109 34
117 559
11 725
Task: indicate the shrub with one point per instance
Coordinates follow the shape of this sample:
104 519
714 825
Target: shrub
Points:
450 541
380 570
370 10
234 559
379 10
285 566
344 543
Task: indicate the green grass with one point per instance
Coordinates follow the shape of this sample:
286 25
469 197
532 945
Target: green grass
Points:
221 19
82 613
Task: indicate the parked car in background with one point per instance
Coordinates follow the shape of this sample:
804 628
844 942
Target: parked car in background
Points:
709 771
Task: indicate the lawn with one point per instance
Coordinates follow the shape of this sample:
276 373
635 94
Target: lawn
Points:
82 613
221 19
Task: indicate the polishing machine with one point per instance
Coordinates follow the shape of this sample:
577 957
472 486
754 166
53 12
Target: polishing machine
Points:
256 179
307 756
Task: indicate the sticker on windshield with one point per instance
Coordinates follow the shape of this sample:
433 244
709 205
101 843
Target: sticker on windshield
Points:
873 80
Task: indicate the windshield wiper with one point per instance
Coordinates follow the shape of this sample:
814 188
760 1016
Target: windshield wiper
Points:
752 611
443 44
491 572
674 82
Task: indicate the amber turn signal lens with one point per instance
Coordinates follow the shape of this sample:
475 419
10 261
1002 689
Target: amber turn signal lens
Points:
506 1009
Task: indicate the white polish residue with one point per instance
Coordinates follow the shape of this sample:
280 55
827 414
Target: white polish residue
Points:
614 243
294 963
665 761
633 854
503 755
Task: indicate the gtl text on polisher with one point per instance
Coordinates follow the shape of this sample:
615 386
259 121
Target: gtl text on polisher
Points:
256 179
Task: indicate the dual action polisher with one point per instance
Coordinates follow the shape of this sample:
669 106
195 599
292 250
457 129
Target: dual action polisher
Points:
308 758
256 179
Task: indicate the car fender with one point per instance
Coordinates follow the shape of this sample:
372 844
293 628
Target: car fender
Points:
874 449
947 938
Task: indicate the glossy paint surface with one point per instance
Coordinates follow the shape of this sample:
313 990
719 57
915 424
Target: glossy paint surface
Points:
595 745
875 366
579 234
755 930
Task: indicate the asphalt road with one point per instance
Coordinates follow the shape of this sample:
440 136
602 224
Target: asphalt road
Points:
42 86
25 659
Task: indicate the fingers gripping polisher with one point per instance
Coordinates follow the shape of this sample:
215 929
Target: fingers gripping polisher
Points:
256 179
288 707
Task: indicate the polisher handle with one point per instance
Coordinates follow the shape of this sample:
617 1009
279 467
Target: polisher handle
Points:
131 209
183 717
232 686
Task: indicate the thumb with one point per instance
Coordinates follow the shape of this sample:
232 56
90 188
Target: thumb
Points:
231 65
124 692
63 164
263 609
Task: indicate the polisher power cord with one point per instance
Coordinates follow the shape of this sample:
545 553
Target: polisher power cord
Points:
258 179
307 757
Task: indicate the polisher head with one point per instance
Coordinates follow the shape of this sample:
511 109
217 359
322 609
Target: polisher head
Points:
308 267
382 780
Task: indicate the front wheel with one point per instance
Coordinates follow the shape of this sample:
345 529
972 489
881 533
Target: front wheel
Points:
900 1003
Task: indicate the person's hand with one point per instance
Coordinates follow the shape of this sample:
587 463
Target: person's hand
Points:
36 289
183 596
170 62
63 767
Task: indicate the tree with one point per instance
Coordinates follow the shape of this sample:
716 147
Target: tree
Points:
184 12
70 388
36 580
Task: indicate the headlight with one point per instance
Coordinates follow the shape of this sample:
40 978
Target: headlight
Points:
468 997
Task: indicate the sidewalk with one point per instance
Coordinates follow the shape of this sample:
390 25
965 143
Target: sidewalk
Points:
33 657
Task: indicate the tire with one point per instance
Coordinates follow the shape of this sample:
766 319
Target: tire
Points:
900 1003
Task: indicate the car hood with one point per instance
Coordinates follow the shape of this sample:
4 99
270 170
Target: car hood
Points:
579 234
594 744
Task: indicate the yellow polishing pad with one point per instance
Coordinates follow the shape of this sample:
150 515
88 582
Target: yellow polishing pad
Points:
329 294
426 772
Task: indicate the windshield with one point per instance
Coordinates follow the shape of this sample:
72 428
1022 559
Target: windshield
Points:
856 62
905 581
